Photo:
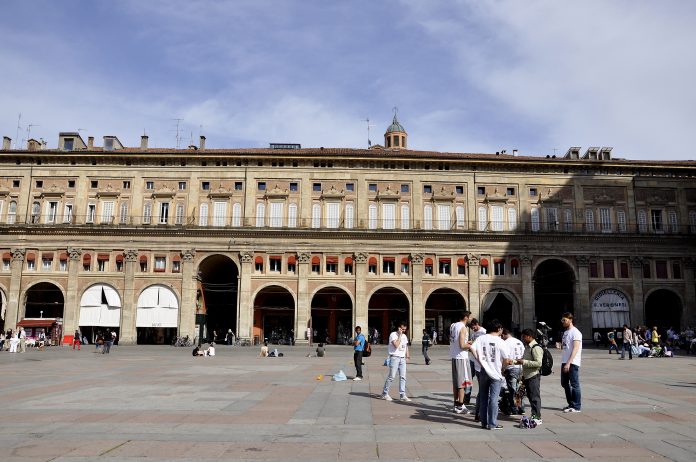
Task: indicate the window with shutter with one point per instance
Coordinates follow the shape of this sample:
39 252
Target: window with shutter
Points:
673 222
107 211
692 222
237 214
203 215
332 214
589 220
219 213
568 220
621 220
276 215
372 217
459 216
179 217
642 221
443 217
316 216
428 217
512 219
482 219
260 215
605 219
552 219
405 216
534 214
349 215
12 212
388 216
123 215
496 218
147 214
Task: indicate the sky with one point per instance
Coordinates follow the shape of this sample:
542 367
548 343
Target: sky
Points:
466 76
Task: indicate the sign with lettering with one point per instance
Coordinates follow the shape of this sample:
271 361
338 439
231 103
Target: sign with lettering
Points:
610 300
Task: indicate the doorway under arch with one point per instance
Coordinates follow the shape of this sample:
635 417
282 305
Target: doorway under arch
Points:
554 287
218 285
274 315
442 308
501 305
44 300
663 308
332 316
387 307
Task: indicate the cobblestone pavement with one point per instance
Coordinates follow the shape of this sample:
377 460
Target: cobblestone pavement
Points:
160 403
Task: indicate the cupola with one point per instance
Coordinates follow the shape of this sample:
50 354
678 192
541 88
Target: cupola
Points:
395 136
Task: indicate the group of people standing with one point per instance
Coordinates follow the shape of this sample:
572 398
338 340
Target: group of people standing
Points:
497 359
641 341
15 342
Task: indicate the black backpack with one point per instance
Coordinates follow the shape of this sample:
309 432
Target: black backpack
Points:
367 348
546 361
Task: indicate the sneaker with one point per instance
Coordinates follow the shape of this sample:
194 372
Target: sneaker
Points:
461 410
357 379
571 410
405 399
386 398
538 421
477 418
565 409
497 427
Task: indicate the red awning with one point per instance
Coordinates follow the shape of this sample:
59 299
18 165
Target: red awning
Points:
498 260
7 256
428 261
461 262
143 259
372 261
86 258
331 259
47 256
316 260
445 260
484 262
31 257
258 260
43 322
63 256
292 260
119 258
405 261
349 260
102 256
515 262
388 259
176 258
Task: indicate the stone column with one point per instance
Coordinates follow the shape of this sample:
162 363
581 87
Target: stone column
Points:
245 303
129 307
689 308
12 312
189 288
528 310
637 305
71 309
583 311
417 305
303 310
360 312
474 290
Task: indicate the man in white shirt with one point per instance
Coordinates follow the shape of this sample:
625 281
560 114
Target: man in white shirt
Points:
461 370
513 374
571 356
476 331
398 355
493 356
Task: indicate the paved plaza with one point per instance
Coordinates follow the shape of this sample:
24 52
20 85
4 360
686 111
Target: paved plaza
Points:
159 403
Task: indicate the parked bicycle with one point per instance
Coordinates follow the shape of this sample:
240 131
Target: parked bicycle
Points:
182 341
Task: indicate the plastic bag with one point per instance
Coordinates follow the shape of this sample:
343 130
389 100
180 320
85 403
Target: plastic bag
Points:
339 376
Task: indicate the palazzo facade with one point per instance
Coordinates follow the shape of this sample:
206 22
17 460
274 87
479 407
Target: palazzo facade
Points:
273 242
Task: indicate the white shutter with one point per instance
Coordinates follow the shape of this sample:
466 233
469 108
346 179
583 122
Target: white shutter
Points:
179 217
147 214
459 213
219 213
388 216
621 219
260 215
443 217
405 216
428 217
673 222
535 219
237 214
512 219
372 217
276 212
11 212
349 215
568 220
605 219
107 211
482 218
292 215
552 219
496 218
642 221
123 215
692 221
316 216
589 220
332 214
203 215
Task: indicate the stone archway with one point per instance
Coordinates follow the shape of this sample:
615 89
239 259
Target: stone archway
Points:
274 315
554 287
663 308
332 315
443 307
44 300
502 305
387 307
217 295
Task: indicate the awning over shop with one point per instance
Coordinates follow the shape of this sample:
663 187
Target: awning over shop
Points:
32 322
157 307
100 306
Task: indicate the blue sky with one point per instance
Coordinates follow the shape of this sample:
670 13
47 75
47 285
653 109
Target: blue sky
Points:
466 76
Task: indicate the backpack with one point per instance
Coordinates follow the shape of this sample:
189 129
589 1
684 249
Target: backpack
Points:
546 362
367 349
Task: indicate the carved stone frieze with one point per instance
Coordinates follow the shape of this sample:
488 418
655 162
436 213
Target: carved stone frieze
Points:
18 254
304 257
636 262
361 257
583 260
526 260
188 255
417 258
74 253
246 257
131 255
473 260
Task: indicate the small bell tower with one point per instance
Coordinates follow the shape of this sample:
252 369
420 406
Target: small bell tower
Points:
395 136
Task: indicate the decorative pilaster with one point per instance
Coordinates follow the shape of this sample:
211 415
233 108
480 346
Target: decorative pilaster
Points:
361 301
689 311
12 312
638 304
474 289
71 309
129 307
189 287
583 313
528 308
418 308
303 311
245 303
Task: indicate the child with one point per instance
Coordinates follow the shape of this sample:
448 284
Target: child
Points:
320 350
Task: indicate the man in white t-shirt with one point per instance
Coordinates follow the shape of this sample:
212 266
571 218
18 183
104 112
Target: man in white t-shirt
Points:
512 374
461 370
398 355
571 356
492 354
477 330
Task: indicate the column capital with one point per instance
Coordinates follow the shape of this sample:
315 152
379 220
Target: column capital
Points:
417 258
18 254
304 257
246 257
636 262
188 255
472 259
526 260
583 260
361 257
131 255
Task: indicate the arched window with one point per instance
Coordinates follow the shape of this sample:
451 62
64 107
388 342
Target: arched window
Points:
589 220
316 215
512 219
535 219
405 216
147 213
459 212
260 214
568 220
35 212
12 212
179 216
349 215
123 213
237 214
428 216
372 217
292 215
642 221
621 220
482 219
203 215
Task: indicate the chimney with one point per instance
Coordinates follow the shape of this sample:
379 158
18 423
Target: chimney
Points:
33 145
202 143
143 142
6 143
514 152
90 142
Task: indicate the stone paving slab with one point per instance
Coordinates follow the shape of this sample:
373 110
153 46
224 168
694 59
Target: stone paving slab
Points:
160 404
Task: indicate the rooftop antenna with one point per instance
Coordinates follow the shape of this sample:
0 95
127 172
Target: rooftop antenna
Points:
19 127
395 110
178 139
29 130
369 142
554 151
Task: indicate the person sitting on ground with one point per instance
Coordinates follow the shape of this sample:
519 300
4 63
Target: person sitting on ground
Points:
264 350
320 350
210 351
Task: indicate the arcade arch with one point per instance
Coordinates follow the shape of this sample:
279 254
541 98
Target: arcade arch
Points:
554 287
332 315
501 304
157 315
274 315
100 308
217 295
442 307
663 308
387 307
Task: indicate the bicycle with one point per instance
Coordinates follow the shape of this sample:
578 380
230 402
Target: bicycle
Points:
183 342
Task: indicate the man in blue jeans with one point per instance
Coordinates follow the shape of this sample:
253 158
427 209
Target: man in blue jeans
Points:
494 356
358 348
398 355
571 356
